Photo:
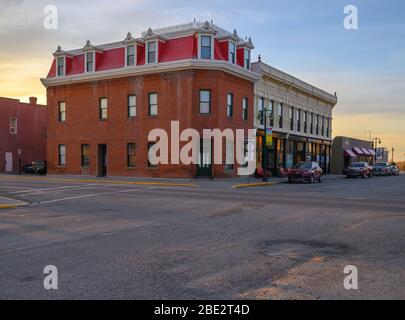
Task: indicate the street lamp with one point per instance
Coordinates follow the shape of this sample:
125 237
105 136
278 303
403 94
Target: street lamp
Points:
263 116
375 142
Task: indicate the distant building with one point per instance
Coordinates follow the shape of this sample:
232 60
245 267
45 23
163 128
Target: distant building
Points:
22 133
300 116
347 150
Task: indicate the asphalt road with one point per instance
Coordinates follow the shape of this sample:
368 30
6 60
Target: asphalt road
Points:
111 241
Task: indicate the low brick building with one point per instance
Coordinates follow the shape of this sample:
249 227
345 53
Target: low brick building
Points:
104 100
22 133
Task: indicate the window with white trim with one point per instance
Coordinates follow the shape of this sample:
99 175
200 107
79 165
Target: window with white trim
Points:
130 55
247 59
61 66
153 104
103 109
89 61
229 108
152 52
232 52
131 106
206 47
62 111
229 155
62 155
13 125
260 110
245 103
205 101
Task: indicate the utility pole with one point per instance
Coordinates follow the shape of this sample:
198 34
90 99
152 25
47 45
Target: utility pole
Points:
392 159
375 142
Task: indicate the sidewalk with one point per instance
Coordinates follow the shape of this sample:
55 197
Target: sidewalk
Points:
7 203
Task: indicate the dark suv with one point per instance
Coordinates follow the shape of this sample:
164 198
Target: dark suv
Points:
359 169
39 166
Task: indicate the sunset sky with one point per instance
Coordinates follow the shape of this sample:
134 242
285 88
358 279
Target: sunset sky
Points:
366 67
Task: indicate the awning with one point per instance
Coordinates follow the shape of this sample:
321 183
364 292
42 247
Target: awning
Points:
366 152
358 151
350 153
371 151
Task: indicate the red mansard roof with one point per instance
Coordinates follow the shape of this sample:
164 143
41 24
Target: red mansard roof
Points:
176 43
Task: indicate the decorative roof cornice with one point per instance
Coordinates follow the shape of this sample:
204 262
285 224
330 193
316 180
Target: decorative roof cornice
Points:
61 53
233 37
247 44
207 28
90 47
129 39
150 35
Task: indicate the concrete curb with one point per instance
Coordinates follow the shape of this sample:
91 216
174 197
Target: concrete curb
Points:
257 184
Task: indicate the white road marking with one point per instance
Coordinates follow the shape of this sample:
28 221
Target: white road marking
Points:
354 198
96 195
51 189
58 191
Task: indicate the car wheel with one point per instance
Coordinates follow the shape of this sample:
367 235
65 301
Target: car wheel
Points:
363 175
289 180
320 180
311 180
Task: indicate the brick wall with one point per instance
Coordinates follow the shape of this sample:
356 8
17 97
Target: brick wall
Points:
178 99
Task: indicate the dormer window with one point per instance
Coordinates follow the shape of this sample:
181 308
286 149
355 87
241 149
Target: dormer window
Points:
152 52
247 59
130 55
61 66
89 61
232 52
206 47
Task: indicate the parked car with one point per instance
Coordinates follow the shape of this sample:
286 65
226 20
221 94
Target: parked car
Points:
395 171
39 166
308 171
27 169
359 169
382 169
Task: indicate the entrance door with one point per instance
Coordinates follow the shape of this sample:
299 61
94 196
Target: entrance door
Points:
204 166
102 160
9 162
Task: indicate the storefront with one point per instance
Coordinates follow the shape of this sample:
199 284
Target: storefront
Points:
287 150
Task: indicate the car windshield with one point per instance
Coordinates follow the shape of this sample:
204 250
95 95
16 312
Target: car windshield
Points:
303 165
357 165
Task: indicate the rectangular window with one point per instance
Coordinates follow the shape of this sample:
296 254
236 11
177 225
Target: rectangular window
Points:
260 110
151 52
130 56
131 106
305 122
61 66
153 104
323 126
85 155
298 120
311 123
247 59
62 155
90 61
245 106
13 125
62 112
271 113
232 52
280 115
151 156
206 47
229 155
229 108
291 118
131 147
317 124
327 127
205 101
103 109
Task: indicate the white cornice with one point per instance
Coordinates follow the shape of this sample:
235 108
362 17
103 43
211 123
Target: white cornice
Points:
154 68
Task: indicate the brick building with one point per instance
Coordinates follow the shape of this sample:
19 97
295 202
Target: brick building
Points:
22 133
104 100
